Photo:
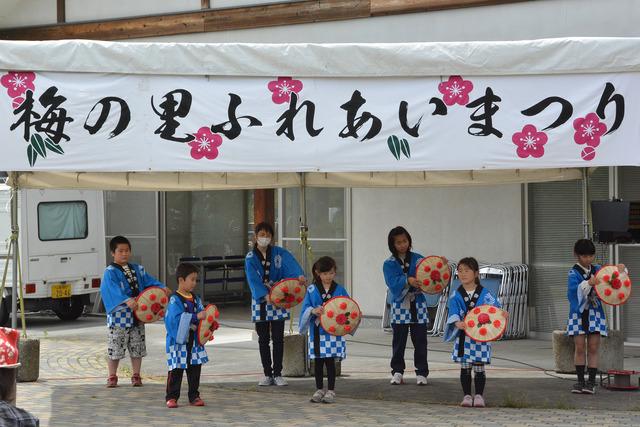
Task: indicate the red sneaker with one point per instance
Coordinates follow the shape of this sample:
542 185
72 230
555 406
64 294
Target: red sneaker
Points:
112 381
136 380
197 402
172 403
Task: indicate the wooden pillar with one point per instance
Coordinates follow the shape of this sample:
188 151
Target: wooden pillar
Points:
263 206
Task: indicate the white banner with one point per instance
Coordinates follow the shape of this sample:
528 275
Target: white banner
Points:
107 122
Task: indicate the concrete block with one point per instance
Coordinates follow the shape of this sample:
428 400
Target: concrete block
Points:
611 354
294 360
29 354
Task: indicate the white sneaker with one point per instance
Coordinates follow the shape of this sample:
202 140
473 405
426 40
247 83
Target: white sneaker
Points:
467 402
317 396
279 381
266 381
329 397
421 380
396 379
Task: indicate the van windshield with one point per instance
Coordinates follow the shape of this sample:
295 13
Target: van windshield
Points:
62 220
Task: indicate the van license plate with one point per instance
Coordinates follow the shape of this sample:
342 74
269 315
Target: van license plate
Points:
61 291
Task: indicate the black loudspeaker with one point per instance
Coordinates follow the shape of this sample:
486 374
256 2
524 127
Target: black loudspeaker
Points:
611 221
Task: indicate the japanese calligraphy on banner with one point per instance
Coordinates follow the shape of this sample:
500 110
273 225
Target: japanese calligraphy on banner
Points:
108 122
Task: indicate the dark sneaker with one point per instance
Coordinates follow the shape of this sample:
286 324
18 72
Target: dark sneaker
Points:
589 387
578 388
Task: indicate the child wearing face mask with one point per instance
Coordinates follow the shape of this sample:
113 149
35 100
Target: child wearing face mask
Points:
265 265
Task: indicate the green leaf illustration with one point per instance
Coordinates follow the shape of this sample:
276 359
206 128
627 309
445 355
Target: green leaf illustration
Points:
38 145
394 146
52 146
32 154
404 145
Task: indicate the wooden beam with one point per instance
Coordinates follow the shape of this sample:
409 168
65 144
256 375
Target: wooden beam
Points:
209 20
264 206
61 11
395 7
286 14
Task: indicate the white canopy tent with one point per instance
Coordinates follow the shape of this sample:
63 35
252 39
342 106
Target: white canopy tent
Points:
550 64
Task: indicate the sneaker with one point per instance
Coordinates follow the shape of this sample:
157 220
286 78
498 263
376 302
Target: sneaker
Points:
197 402
136 380
112 381
578 387
396 379
478 401
172 403
467 402
421 380
589 387
279 381
329 397
317 396
266 381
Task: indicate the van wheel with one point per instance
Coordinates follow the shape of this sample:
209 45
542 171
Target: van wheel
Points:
69 308
5 310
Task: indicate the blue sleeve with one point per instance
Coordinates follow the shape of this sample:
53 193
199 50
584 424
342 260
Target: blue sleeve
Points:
147 280
172 317
258 290
290 266
394 278
305 311
341 291
456 313
573 283
489 299
111 292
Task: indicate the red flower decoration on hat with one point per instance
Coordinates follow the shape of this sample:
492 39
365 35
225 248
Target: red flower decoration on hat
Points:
341 319
9 348
435 275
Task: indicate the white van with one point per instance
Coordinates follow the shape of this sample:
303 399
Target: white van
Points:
62 249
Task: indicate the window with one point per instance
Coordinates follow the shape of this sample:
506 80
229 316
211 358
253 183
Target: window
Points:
62 220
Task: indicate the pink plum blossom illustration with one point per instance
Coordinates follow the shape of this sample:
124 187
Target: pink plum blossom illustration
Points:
530 142
589 129
205 144
455 90
18 82
281 89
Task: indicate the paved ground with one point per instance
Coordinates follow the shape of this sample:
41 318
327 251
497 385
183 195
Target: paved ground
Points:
521 389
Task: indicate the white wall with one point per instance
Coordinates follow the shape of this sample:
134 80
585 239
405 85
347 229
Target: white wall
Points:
483 222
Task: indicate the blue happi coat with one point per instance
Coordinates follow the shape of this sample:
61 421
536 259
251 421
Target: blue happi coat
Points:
178 321
115 290
400 293
281 265
474 351
582 297
330 345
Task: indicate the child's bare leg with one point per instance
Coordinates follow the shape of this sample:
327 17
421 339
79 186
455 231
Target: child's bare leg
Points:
593 344
112 365
136 363
579 354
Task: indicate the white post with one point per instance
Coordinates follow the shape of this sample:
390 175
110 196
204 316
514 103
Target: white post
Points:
14 246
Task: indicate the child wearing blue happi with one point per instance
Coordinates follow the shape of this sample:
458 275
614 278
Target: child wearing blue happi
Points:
466 351
121 283
265 265
183 352
408 306
587 321
323 347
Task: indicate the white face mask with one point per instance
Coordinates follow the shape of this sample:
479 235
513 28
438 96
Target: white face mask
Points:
263 242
